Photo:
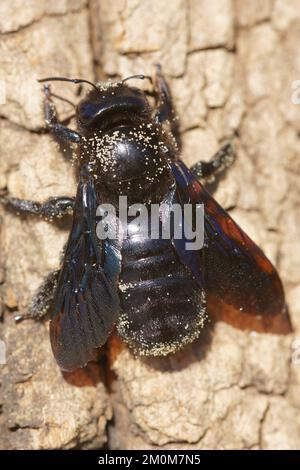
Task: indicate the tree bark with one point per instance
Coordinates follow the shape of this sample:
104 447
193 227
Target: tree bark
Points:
231 67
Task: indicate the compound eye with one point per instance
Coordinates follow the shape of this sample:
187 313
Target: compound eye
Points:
87 111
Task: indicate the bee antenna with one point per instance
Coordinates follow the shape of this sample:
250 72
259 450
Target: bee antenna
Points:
139 76
64 79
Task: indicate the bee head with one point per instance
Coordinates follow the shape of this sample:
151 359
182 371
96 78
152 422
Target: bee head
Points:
112 105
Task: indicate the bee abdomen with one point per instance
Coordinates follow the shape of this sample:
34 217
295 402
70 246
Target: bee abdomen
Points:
163 307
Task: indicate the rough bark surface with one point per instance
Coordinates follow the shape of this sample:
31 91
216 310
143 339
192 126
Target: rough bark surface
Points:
231 65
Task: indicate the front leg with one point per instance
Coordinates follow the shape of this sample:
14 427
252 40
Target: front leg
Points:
221 160
61 132
55 207
165 110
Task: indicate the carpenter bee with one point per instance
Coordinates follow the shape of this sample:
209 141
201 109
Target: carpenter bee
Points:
156 292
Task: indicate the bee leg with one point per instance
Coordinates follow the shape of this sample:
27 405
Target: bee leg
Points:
61 132
53 208
165 110
42 299
221 160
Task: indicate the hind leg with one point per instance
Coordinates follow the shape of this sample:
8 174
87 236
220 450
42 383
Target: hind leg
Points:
42 299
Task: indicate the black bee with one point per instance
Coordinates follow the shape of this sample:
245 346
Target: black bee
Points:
156 292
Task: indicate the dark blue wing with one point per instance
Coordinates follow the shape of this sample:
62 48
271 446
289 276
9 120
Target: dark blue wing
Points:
86 304
242 286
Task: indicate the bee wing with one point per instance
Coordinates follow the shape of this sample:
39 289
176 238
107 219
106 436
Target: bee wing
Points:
242 286
86 302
